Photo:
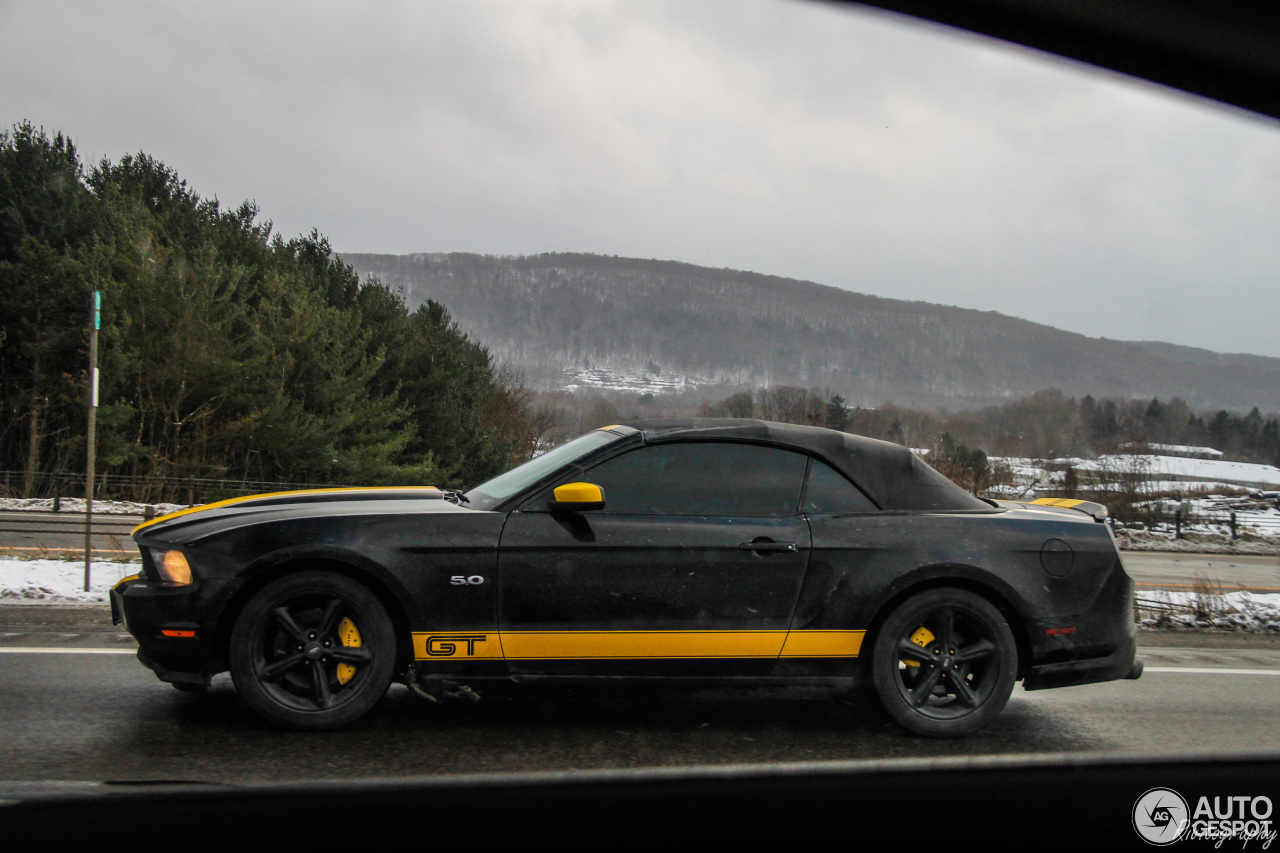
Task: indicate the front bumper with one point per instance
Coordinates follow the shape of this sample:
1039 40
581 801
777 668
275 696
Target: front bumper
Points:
176 626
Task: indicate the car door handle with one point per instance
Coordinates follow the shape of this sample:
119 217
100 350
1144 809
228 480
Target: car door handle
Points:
768 546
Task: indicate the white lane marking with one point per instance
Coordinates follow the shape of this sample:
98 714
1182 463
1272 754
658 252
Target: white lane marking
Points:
53 650
1210 670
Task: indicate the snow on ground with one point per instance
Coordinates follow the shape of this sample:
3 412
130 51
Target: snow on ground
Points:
59 581
1207 503
620 379
1184 468
1193 542
1194 487
1185 450
1180 475
1232 611
76 505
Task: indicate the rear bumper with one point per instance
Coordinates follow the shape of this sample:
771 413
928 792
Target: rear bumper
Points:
1123 663
1099 644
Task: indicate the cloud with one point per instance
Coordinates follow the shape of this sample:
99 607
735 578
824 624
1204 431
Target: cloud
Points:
791 138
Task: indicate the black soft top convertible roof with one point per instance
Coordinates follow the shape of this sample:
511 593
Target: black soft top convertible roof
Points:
890 474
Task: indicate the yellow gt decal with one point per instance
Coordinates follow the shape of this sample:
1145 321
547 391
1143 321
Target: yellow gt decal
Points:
457 644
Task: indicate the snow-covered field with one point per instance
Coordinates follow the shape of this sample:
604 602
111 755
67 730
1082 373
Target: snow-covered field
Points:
1210 491
643 381
1232 611
76 505
1195 542
1157 473
59 581
1179 468
612 379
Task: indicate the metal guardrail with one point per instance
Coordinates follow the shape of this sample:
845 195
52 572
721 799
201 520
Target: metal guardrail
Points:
146 490
1227 521
24 521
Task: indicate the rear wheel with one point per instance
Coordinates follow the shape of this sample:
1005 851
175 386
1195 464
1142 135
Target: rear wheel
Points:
313 650
944 663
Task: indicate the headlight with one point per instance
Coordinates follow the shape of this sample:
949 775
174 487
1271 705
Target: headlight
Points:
172 565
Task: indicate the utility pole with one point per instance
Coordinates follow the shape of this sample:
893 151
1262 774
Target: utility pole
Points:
93 417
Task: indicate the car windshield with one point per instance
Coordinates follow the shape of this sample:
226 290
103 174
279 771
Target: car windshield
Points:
361 250
503 486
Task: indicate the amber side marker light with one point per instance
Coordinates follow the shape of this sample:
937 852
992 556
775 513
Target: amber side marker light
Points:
169 632
175 567
1052 631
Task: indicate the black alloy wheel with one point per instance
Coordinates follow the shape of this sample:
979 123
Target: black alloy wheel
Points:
944 663
313 650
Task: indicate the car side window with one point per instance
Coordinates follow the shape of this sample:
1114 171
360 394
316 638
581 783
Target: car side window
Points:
829 491
702 478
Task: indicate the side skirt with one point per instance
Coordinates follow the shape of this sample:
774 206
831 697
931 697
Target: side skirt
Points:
837 684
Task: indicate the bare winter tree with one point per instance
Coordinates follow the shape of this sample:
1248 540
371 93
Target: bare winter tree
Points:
790 404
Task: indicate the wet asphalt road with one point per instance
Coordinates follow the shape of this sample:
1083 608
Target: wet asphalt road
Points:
67 715
1158 568
73 716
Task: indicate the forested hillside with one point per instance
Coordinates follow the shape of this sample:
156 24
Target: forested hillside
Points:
226 351
229 352
647 325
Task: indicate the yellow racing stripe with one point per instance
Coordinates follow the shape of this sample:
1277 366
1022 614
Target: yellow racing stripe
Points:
240 500
634 645
589 645
823 644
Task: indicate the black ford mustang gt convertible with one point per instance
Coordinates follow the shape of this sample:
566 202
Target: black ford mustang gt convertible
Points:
662 552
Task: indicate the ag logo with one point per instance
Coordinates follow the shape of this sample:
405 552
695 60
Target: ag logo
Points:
1160 816
446 645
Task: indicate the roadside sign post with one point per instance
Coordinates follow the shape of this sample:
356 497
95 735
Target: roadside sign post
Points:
93 413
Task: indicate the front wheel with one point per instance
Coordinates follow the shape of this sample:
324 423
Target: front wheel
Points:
313 650
944 663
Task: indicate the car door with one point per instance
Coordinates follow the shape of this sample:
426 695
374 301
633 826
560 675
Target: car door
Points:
692 567
849 538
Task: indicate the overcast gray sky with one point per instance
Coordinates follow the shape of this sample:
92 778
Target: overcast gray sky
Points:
852 149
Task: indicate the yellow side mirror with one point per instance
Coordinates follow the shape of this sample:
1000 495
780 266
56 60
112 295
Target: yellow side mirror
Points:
577 497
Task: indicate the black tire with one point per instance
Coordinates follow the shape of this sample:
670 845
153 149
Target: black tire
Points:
286 652
960 680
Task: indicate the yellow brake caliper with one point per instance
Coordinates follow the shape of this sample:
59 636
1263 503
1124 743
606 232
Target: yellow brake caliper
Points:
922 638
349 634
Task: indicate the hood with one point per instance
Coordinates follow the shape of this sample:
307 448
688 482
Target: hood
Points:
309 501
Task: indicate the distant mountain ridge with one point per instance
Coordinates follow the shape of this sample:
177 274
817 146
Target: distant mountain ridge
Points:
592 320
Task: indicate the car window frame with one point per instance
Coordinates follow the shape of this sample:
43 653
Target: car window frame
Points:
804 492
519 502
534 501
